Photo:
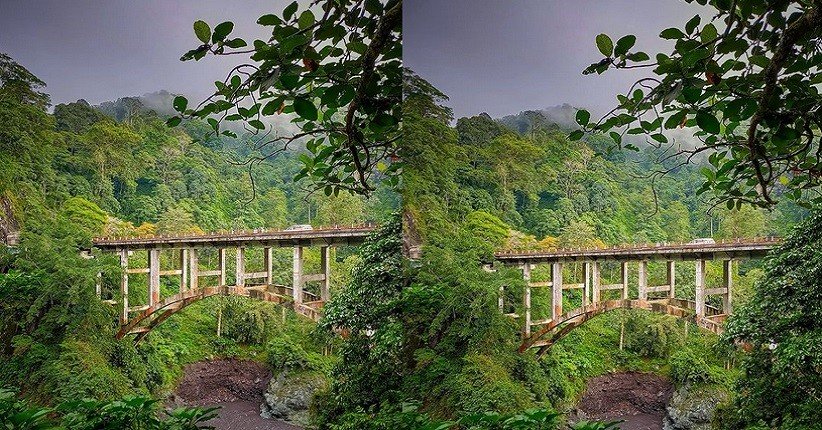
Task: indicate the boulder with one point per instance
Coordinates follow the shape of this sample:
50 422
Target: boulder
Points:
693 408
289 395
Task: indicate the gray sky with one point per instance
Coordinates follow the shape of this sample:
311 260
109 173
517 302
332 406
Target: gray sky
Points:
105 49
505 56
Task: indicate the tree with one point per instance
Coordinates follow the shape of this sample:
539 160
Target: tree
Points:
337 65
748 82
782 328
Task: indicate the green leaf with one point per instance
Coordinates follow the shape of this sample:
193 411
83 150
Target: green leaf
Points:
672 33
707 122
605 45
306 19
638 56
692 23
575 135
256 124
305 109
289 11
708 33
236 43
180 103
269 19
222 30
583 117
202 31
174 121
624 44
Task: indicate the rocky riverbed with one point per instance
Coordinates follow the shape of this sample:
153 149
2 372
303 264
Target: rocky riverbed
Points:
647 401
236 386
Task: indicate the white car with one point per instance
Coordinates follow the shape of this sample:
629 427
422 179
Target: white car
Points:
300 227
703 241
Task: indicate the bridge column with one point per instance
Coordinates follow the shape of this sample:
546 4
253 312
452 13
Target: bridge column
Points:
700 288
325 262
194 265
183 270
556 289
297 287
240 268
268 256
124 286
586 287
526 297
98 285
221 258
671 275
727 283
153 276
596 281
642 279
624 280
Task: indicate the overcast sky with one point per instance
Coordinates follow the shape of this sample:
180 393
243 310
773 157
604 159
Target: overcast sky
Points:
105 49
503 57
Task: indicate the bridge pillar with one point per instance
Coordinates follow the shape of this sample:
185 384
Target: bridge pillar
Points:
556 289
325 262
240 268
297 287
671 275
98 285
727 283
624 273
700 288
526 297
221 258
586 284
194 267
596 281
124 286
268 258
642 280
153 277
183 270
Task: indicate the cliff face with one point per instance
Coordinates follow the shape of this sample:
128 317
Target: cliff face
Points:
9 226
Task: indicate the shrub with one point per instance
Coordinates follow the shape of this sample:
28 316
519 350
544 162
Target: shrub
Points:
689 368
286 354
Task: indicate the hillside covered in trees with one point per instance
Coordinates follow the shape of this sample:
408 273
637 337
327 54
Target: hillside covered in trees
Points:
81 171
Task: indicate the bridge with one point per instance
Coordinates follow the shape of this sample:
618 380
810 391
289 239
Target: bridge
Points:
185 253
542 334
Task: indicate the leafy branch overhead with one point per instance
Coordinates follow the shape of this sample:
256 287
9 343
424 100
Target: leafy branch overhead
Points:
337 66
747 83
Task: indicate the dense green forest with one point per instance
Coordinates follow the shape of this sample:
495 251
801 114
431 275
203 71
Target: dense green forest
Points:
117 169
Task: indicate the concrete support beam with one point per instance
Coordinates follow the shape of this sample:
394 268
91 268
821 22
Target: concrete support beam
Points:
671 276
325 263
727 283
586 290
297 290
596 282
194 267
624 280
642 280
501 298
184 270
526 297
239 268
153 277
268 257
222 269
98 285
700 288
124 286
556 289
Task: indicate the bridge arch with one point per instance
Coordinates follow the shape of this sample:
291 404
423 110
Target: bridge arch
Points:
554 330
152 316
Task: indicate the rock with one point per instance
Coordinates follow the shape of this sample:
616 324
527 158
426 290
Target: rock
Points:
693 408
9 226
289 395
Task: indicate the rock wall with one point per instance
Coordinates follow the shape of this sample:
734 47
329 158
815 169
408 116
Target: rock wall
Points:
9 226
693 408
289 395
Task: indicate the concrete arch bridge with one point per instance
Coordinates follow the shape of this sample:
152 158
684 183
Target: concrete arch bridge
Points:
139 320
542 334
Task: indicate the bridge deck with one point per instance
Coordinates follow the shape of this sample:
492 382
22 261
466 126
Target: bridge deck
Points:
737 248
280 238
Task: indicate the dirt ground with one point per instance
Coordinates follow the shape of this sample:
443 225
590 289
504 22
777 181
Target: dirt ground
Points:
236 386
637 398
